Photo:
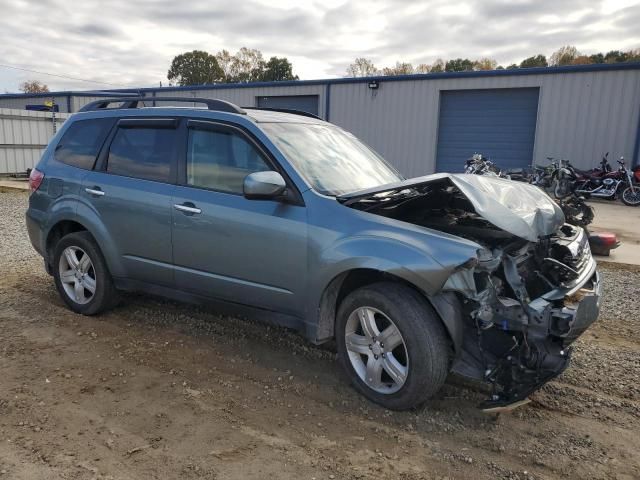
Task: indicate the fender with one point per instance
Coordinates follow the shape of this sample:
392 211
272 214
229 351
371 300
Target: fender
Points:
64 209
408 262
87 216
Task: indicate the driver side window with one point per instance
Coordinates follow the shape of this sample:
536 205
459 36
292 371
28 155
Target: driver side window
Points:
220 160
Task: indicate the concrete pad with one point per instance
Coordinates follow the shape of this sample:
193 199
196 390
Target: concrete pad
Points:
622 220
14 184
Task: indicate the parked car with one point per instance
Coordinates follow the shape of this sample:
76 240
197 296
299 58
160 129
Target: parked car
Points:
286 217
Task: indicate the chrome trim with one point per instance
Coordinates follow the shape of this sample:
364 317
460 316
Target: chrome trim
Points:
184 208
91 191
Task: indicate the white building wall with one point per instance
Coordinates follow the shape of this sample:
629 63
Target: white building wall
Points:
581 116
246 96
23 137
20 103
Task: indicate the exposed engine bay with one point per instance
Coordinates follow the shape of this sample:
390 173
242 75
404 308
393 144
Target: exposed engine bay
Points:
525 298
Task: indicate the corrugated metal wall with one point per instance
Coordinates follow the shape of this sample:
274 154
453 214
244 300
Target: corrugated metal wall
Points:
581 115
20 103
246 96
23 137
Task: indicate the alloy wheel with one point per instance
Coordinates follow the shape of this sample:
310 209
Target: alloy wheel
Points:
376 350
77 275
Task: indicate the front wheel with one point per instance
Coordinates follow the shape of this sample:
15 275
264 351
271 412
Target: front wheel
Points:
631 196
392 345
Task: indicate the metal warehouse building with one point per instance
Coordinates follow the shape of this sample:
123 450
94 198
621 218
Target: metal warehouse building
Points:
433 122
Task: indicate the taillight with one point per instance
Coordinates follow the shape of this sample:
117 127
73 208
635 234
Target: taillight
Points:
35 179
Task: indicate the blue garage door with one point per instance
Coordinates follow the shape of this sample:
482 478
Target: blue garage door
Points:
304 103
500 124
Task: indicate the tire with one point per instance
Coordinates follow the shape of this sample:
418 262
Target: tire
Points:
92 274
427 353
631 197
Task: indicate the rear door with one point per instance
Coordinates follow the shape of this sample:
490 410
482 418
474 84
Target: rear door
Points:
131 190
252 252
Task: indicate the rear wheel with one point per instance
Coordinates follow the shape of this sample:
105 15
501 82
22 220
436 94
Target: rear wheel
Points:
631 196
81 275
392 345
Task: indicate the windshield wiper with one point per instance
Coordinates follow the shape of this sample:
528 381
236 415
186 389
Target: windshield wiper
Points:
390 196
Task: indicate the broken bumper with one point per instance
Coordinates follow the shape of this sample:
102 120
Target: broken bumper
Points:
547 352
580 310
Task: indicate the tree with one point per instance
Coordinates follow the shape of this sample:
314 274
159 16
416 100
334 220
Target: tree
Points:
277 69
225 59
401 68
535 61
564 56
438 66
633 55
195 68
615 56
422 68
459 65
512 66
361 67
597 58
485 64
33 86
247 65
581 60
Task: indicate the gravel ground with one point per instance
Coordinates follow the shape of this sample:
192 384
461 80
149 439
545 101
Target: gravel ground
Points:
156 389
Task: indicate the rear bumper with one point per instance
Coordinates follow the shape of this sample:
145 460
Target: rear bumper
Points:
34 220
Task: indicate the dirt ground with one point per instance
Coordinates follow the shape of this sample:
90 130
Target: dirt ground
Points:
156 389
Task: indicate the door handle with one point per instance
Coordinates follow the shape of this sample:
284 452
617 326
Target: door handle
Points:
187 208
94 191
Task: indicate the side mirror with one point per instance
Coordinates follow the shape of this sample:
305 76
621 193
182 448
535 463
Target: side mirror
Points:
264 185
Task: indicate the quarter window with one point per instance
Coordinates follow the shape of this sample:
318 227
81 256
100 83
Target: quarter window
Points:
80 144
143 152
221 159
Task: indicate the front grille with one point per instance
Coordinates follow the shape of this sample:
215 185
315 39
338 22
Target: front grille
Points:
578 254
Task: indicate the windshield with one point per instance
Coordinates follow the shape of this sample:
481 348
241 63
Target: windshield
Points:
332 161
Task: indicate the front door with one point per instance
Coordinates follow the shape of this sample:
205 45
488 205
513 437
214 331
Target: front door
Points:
252 252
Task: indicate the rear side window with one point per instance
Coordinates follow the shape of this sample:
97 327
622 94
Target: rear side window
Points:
146 153
80 144
221 159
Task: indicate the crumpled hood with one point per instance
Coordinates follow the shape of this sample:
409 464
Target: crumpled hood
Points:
515 207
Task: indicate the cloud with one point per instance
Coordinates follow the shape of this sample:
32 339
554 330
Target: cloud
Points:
132 43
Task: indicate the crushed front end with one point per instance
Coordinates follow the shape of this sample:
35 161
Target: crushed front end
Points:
527 303
530 292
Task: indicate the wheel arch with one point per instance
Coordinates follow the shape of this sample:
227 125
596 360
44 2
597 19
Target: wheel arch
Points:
58 230
65 225
446 304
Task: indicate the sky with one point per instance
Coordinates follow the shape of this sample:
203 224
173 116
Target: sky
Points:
131 43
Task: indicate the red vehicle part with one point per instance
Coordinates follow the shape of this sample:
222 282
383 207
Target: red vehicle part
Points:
602 243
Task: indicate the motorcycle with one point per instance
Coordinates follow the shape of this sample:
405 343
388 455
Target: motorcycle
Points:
575 209
622 183
480 165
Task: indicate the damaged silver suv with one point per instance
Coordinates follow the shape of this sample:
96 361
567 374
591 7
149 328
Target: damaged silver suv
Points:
282 216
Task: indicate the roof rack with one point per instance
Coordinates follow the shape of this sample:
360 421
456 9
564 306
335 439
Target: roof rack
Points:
129 102
286 110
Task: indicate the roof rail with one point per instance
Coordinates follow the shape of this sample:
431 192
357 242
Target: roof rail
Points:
286 110
129 102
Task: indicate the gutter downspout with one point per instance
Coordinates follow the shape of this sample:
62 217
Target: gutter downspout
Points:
327 101
636 149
